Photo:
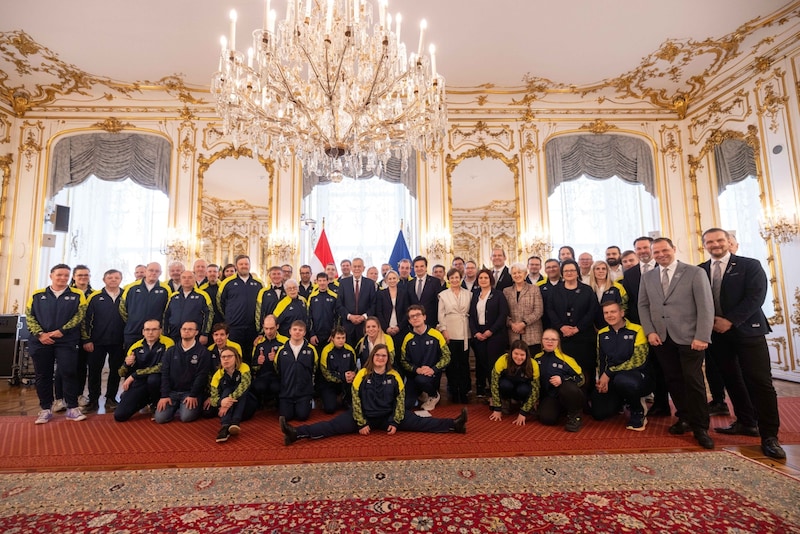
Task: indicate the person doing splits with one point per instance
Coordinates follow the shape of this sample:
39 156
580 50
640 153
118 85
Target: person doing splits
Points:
378 404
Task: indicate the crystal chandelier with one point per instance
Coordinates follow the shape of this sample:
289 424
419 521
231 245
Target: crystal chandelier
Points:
332 87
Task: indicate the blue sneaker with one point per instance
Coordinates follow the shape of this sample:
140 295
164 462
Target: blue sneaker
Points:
75 414
44 417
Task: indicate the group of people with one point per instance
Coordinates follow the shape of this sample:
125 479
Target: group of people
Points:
586 337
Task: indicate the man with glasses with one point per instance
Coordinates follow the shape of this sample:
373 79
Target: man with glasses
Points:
423 355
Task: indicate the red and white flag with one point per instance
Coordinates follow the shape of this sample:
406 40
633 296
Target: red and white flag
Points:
322 254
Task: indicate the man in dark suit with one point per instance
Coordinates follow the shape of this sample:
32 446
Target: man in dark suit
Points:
738 343
677 314
501 278
424 290
355 301
643 247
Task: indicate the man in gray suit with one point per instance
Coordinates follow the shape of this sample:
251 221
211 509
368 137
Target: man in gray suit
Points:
677 313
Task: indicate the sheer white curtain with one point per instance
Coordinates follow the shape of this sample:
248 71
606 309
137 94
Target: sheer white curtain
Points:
362 218
739 205
113 225
590 214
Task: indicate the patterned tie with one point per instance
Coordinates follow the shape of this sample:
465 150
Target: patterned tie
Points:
419 288
716 284
645 268
357 293
665 280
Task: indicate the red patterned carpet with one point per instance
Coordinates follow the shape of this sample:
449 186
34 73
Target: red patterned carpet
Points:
101 443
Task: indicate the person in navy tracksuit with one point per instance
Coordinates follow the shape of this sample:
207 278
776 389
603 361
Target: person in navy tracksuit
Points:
184 376
296 364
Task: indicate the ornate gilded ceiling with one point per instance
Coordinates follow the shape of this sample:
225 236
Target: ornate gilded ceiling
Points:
673 74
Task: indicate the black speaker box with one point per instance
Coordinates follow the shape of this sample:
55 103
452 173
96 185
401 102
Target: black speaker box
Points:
61 219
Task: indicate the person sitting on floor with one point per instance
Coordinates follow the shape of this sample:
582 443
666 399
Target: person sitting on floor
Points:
515 378
624 376
184 376
142 371
266 384
230 393
296 364
373 335
338 365
378 404
219 333
560 382
424 355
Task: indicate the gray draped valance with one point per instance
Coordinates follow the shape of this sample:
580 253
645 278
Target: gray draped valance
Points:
392 172
145 159
599 156
735 160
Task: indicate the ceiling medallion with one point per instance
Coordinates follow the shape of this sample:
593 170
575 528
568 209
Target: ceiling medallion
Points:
332 86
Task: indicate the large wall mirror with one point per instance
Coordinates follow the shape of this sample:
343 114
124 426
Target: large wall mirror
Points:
484 203
235 207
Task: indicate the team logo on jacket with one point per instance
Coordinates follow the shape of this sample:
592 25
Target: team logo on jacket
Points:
429 342
557 365
627 336
194 359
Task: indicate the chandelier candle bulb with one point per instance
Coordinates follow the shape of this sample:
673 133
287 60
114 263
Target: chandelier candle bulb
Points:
266 13
398 19
356 9
382 11
309 3
233 29
422 25
271 21
329 18
432 50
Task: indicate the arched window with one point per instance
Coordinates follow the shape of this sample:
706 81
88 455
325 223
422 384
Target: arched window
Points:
601 191
116 186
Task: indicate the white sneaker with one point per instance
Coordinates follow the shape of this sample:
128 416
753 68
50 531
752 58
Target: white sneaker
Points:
423 413
43 417
431 403
75 414
59 406
83 400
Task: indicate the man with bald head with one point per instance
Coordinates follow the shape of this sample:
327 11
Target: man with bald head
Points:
141 301
200 267
174 269
189 304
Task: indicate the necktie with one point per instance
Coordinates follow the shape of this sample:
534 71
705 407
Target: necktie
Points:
496 276
357 280
665 280
419 288
716 283
645 268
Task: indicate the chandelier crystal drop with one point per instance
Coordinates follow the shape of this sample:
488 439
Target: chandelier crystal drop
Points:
333 87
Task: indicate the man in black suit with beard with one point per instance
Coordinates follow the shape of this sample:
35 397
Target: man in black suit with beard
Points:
738 342
424 289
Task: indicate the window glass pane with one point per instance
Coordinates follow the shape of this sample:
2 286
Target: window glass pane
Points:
590 214
113 225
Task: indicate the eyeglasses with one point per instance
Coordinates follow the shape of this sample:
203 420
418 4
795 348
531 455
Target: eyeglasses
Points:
414 315
567 271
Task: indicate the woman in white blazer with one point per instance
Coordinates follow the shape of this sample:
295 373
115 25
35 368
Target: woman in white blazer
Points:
454 326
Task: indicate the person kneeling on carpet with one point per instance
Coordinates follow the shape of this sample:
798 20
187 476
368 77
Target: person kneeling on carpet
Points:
184 375
230 393
560 381
515 379
378 404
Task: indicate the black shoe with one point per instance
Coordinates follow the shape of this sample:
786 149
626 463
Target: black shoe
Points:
574 423
772 448
223 435
704 439
679 428
234 429
718 408
289 432
111 405
460 422
659 411
92 407
736 428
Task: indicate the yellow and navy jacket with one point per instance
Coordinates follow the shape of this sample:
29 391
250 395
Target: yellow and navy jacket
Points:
236 300
625 349
557 364
214 351
266 302
138 304
264 346
336 361
46 313
305 292
378 397
362 349
296 374
185 370
196 306
103 324
517 375
290 310
148 358
233 385
321 314
212 290
428 348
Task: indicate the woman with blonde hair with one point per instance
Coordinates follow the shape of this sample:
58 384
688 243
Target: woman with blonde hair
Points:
525 309
606 290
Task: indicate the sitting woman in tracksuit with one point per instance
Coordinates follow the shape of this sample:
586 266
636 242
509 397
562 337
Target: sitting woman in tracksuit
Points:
560 381
230 393
515 378
378 404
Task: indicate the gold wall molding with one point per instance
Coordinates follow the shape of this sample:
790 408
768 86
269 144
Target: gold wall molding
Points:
671 146
5 129
482 134
782 350
31 145
112 125
5 170
736 108
21 50
598 126
529 145
796 314
771 101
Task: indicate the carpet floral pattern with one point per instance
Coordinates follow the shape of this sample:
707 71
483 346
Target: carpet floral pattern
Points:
698 492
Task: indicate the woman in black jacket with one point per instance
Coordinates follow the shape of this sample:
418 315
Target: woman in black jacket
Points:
487 324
